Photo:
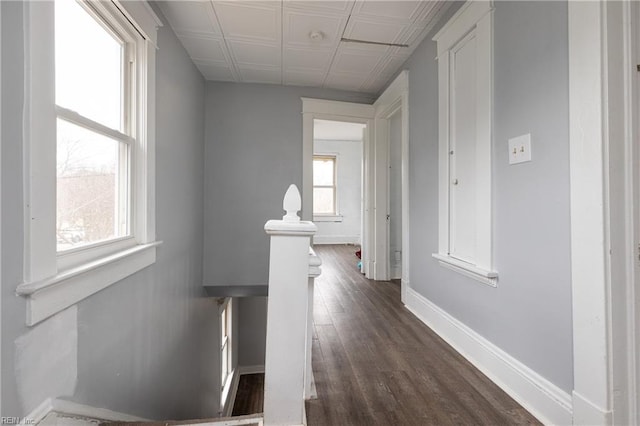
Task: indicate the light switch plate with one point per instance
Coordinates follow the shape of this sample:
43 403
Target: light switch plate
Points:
520 149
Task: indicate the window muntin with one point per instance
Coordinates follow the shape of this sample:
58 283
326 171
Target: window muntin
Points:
324 185
94 68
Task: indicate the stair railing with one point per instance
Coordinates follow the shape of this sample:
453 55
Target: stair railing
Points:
292 269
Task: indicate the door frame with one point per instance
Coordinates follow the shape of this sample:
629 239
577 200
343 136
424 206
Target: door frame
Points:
394 99
604 210
322 109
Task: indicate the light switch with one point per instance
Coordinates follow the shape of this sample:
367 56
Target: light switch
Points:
520 149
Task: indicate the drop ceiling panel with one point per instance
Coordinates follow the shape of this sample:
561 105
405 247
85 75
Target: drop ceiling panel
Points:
355 61
216 72
261 75
304 78
204 49
335 6
374 29
306 59
298 26
258 21
399 10
245 53
268 41
191 16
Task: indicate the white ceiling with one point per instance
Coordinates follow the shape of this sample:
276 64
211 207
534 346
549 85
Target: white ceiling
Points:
268 41
337 130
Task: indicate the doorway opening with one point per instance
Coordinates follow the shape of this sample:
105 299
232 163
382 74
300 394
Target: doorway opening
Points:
338 181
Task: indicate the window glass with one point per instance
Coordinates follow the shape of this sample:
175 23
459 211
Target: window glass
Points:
88 65
91 206
323 201
323 171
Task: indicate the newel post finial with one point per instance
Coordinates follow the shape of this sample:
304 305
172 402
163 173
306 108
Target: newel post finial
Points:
292 204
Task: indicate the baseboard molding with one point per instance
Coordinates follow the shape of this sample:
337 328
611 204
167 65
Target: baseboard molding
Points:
74 409
547 402
336 239
587 413
250 369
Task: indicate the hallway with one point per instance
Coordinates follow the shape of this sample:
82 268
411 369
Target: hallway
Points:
376 364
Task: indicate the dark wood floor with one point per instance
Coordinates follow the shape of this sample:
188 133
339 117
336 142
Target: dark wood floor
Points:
250 395
377 364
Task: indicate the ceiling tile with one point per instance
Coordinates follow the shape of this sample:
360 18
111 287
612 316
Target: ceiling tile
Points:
307 59
261 75
344 81
398 10
204 49
260 54
335 6
191 16
353 61
298 25
304 78
375 29
215 72
247 21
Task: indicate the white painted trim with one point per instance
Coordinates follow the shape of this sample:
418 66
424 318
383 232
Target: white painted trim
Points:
54 283
395 98
328 218
336 239
547 402
250 369
52 295
347 112
474 16
74 409
487 277
590 209
229 394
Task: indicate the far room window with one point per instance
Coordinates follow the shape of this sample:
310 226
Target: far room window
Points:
94 138
324 185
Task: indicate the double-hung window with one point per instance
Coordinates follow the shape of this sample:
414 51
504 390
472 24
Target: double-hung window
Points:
95 101
89 141
324 185
226 350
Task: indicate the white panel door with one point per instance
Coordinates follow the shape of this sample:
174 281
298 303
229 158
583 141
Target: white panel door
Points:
463 150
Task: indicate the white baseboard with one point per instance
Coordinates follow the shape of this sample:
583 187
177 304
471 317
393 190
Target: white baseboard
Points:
587 413
74 409
550 404
336 239
250 369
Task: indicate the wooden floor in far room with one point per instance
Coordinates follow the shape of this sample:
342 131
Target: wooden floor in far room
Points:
375 363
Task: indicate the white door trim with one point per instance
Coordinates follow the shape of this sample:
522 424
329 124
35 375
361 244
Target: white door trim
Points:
603 207
353 113
395 98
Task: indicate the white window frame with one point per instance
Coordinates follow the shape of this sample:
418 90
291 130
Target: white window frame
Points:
226 308
473 17
329 217
54 282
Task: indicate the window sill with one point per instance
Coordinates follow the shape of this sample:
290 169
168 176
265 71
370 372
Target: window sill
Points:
52 295
328 218
486 277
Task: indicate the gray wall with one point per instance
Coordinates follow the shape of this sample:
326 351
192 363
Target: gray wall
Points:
529 314
253 152
148 344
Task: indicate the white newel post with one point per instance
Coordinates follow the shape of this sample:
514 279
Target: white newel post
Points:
314 272
285 358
